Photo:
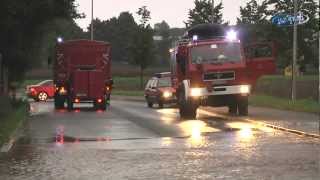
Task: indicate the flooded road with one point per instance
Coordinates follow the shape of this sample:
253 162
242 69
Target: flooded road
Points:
131 141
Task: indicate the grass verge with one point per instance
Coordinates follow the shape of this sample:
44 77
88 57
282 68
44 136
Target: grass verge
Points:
303 105
11 121
127 93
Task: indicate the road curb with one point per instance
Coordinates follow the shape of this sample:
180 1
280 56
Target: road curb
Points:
256 122
6 147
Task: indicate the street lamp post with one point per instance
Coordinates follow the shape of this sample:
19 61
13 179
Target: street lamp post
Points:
212 19
91 19
319 68
294 62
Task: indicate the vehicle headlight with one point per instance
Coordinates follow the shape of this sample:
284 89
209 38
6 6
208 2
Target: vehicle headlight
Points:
244 89
167 94
195 92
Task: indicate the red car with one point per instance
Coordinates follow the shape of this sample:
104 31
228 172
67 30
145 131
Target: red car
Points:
159 90
41 91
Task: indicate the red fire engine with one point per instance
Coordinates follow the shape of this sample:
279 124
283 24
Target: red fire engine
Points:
211 67
82 73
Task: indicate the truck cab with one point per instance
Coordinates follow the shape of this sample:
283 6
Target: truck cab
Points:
209 68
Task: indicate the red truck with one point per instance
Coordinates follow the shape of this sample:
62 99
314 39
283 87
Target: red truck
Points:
211 67
82 73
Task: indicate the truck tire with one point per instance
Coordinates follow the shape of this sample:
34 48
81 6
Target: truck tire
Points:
243 105
58 102
150 104
233 107
70 104
160 104
187 108
100 106
103 106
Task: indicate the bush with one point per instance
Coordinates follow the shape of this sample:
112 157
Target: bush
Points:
280 86
5 106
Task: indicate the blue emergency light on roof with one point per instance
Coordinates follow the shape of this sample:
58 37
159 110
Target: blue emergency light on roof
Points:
195 37
59 39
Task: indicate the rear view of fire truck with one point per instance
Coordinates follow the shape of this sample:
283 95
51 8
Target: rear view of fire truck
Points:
209 68
82 73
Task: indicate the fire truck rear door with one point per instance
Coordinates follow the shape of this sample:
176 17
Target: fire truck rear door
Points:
80 83
260 60
96 84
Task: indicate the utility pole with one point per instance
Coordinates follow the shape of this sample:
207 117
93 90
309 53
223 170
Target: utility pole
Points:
294 62
319 69
212 19
91 20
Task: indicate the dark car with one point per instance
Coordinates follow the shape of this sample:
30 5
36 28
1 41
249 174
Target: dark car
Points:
159 90
41 91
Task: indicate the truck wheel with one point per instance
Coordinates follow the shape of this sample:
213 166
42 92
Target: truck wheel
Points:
187 109
70 104
243 105
232 108
103 106
160 104
100 106
150 104
58 103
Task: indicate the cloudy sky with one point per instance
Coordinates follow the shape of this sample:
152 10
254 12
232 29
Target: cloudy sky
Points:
172 11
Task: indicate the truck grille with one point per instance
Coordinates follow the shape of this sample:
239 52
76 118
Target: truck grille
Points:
230 75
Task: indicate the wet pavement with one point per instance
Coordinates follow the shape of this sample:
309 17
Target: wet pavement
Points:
131 141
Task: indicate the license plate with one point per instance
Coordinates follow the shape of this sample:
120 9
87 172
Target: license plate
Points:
81 94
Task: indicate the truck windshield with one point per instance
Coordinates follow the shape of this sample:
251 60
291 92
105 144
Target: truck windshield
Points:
216 53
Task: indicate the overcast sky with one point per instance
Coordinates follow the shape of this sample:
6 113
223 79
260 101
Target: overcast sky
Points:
173 12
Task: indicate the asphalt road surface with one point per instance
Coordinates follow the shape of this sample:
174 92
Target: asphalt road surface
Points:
131 141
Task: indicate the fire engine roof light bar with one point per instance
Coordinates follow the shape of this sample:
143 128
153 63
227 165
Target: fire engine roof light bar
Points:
232 35
195 37
59 39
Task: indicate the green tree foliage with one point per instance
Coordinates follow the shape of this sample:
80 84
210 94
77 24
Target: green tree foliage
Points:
306 51
60 27
255 19
253 13
202 13
120 32
163 44
20 23
143 53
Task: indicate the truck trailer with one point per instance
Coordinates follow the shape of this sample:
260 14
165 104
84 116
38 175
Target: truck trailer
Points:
211 67
82 73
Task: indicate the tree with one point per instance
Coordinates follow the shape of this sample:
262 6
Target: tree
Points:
253 13
306 52
144 14
120 32
60 27
20 34
255 20
202 13
143 50
127 29
163 44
